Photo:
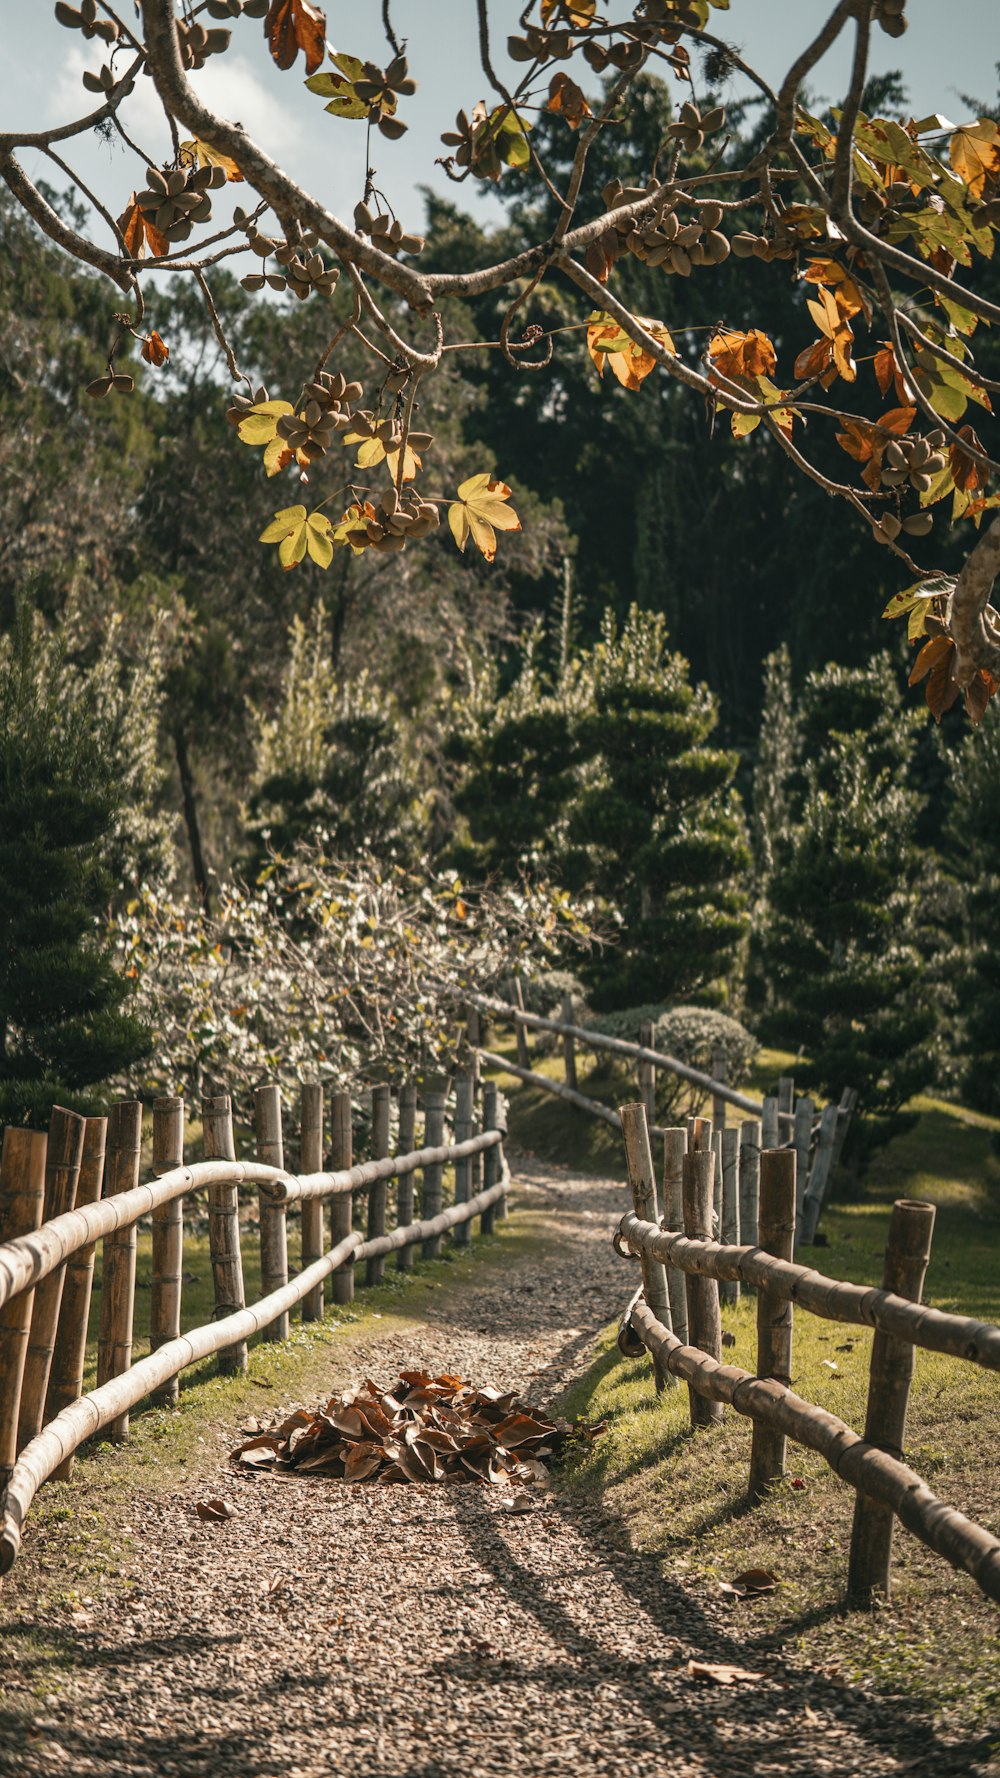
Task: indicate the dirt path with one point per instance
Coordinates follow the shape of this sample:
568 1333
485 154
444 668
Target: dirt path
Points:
414 1632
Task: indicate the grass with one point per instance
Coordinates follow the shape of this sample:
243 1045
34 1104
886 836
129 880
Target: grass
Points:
936 1644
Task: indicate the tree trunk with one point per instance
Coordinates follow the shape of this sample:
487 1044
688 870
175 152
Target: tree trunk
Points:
191 818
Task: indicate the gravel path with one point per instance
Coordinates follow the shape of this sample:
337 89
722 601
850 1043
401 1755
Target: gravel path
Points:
413 1632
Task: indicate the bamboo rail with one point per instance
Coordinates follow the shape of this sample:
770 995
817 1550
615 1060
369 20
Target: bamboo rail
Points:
863 1305
35 1259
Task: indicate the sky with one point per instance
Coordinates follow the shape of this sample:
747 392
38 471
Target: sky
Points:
45 61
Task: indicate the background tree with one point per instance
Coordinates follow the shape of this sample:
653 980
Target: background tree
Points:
973 839
65 1020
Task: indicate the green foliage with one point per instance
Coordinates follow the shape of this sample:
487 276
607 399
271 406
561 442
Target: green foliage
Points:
334 759
64 1022
973 836
843 937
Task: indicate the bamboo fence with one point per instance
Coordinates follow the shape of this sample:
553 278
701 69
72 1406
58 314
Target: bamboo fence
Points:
816 1141
872 1463
52 1214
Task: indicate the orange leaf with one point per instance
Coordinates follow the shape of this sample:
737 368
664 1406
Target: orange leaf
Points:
814 360
967 474
743 354
936 663
154 350
567 98
293 25
138 232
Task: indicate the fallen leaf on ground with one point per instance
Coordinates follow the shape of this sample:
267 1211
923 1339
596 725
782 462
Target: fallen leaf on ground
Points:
215 1511
750 1583
720 1673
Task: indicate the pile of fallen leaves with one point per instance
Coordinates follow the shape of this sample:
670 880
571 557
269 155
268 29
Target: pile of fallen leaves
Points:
422 1429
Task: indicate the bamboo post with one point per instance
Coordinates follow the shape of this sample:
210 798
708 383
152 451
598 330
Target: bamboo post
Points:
520 1033
224 1226
474 1042
273 1224
715 1233
691 1121
432 1195
22 1198
406 1144
501 1209
381 1106
168 1240
718 1103
675 1144
646 1073
642 1181
69 1358
786 1094
699 1134
569 1043
464 1103
729 1290
121 1174
774 1313
802 1143
312 1208
476 1160
341 1207
907 1253
845 1112
819 1177
770 1125
749 1169
62 1172
491 1157
703 1319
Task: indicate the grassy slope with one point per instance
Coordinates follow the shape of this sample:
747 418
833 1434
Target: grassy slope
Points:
937 1642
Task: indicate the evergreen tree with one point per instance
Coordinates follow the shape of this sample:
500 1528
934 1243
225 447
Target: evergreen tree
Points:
845 936
974 847
605 775
333 759
64 1023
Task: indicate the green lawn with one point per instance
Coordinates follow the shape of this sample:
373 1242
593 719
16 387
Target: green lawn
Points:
682 1495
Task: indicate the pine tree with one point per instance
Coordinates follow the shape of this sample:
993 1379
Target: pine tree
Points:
974 846
64 1023
843 942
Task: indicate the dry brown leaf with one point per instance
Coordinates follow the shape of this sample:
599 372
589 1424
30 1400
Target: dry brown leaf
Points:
721 1673
216 1512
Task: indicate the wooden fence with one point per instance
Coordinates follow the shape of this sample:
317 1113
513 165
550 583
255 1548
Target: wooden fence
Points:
817 1141
675 1316
62 1193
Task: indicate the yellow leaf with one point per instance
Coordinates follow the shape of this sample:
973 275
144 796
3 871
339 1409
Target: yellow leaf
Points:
260 425
277 455
199 154
743 424
297 532
372 451
607 343
481 510
411 463
975 153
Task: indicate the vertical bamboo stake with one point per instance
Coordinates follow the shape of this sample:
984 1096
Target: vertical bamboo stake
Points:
699 1134
802 1143
642 1180
62 1172
381 1105
22 1198
774 1313
770 1125
121 1174
273 1224
475 1165
520 1033
312 1208
907 1253
474 1042
431 1197
224 1226
749 1181
845 1112
168 1241
786 1094
691 1122
718 1103
819 1176
491 1156
569 1043
502 1209
69 1358
646 1073
715 1234
464 1102
341 1207
704 1322
729 1288
675 1144
406 1144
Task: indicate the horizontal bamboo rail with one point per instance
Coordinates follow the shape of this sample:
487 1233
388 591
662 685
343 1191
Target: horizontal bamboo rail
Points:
571 1094
871 1471
29 1258
618 1046
934 1330
88 1416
